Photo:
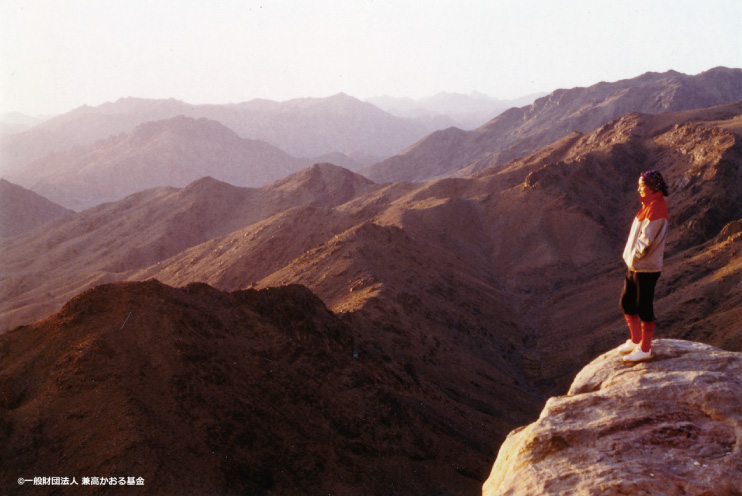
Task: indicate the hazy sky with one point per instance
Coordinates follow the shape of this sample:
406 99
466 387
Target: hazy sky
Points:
56 55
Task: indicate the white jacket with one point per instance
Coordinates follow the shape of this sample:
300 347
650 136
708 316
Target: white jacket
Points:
645 248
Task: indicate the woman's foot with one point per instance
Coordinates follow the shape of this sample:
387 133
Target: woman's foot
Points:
638 355
627 347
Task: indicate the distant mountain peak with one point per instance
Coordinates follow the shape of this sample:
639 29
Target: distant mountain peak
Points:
322 173
208 183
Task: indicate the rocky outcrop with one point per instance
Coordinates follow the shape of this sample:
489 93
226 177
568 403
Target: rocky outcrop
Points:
666 427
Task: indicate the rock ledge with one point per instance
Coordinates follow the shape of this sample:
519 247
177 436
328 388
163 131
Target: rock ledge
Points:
670 426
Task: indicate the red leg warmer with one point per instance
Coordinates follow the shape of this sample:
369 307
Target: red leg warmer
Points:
647 332
634 327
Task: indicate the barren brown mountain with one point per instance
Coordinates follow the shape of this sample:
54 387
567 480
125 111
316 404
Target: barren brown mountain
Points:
477 297
520 131
22 210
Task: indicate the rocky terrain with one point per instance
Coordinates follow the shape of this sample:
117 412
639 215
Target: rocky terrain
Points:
468 300
521 131
670 426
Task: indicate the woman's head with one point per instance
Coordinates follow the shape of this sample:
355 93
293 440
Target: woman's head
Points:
653 180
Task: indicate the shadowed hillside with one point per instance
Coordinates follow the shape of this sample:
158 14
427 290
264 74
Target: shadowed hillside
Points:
253 392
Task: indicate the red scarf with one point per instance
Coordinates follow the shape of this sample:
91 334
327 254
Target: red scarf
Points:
653 207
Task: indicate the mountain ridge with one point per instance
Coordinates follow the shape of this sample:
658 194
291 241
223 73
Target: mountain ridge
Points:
156 224
521 131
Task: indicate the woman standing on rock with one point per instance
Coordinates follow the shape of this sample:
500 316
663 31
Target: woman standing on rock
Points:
643 255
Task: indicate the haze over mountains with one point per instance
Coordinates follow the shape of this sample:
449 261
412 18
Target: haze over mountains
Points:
302 128
308 127
15 122
462 111
456 306
94 155
105 146
171 152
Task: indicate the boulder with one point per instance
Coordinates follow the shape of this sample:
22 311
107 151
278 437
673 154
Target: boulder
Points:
670 426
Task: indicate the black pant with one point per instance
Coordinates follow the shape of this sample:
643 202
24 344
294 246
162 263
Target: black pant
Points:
638 294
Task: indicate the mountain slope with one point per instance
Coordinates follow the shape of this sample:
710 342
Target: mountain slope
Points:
173 152
517 225
520 131
43 269
700 156
22 210
83 126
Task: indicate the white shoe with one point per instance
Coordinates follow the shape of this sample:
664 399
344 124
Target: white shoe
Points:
627 347
638 355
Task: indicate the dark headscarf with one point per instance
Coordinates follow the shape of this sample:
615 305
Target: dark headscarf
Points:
653 179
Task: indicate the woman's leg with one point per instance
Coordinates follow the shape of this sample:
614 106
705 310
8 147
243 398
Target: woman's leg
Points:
629 306
645 284
629 295
647 333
